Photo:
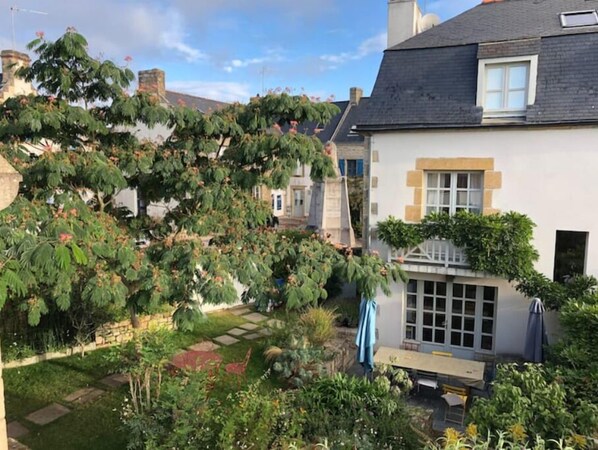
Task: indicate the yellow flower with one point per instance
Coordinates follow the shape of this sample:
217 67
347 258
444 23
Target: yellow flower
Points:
472 431
451 436
577 441
518 432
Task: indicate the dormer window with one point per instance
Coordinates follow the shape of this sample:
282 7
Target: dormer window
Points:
506 86
579 19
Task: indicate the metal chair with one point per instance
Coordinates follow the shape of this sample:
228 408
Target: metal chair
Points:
427 379
238 368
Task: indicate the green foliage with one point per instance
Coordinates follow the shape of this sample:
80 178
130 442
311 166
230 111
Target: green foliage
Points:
531 398
498 244
318 325
397 379
553 294
351 412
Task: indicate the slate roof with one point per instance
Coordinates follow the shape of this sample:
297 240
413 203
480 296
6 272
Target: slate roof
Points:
339 127
430 80
204 105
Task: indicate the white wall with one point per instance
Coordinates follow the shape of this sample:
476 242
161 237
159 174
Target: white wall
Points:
548 174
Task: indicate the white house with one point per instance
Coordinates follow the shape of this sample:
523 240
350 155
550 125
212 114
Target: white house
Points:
494 110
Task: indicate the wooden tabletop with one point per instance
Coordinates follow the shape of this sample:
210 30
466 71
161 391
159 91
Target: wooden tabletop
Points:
470 373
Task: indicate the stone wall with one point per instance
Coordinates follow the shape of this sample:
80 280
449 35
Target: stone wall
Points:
344 349
117 332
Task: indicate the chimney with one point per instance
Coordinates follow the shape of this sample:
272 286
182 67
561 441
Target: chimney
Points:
152 81
12 85
355 95
403 21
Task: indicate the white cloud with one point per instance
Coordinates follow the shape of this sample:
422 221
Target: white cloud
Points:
173 38
272 55
374 44
226 91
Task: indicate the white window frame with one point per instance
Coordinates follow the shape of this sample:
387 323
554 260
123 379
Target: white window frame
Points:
453 189
531 60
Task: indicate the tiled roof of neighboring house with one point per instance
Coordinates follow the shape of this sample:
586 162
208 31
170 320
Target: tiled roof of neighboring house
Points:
204 105
504 20
431 80
346 133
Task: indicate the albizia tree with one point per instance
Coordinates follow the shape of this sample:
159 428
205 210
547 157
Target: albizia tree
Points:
66 246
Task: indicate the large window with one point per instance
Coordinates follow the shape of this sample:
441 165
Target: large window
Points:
351 167
447 314
450 192
569 254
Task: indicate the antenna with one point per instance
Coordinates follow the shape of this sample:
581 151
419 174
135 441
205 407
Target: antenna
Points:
13 10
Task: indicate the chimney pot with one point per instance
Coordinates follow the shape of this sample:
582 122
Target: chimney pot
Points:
152 81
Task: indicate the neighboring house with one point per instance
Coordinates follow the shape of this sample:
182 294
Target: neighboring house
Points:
11 86
153 81
495 110
294 202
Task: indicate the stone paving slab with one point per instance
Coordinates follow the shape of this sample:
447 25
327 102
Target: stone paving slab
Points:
249 326
204 346
275 323
115 380
83 396
48 414
16 445
252 336
240 311
16 430
255 317
265 332
225 339
236 332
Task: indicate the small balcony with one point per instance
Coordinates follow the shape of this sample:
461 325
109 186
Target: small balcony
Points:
439 256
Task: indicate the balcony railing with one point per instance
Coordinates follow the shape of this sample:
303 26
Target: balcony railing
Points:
437 252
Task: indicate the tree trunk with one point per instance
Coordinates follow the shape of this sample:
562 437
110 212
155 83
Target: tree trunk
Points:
134 317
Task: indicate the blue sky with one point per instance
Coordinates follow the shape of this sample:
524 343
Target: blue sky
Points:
228 49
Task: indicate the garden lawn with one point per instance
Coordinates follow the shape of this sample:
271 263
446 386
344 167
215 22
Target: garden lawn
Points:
97 425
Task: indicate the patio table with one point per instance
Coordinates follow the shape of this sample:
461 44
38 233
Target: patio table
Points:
196 360
470 373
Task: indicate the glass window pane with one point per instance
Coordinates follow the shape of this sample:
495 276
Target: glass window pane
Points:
412 286
429 303
427 334
494 100
488 310
487 326
429 287
432 198
456 339
516 100
462 198
445 180
468 340
456 322
445 198
410 332
440 320
469 324
457 290
433 180
495 78
489 293
428 319
411 301
487 342
470 308
475 199
441 304
462 180
518 77
470 290
411 316
439 336
441 289
475 181
444 210
457 306
431 209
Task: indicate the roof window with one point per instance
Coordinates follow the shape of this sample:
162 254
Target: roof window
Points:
579 19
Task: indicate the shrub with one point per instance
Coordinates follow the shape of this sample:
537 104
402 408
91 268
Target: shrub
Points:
531 398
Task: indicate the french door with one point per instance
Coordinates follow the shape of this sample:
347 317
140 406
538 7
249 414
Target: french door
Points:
449 316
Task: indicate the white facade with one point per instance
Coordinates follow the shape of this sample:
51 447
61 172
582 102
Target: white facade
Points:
547 173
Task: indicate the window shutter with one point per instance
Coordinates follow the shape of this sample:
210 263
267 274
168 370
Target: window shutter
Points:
359 168
341 166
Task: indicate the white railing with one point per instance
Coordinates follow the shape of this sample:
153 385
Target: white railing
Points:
438 252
